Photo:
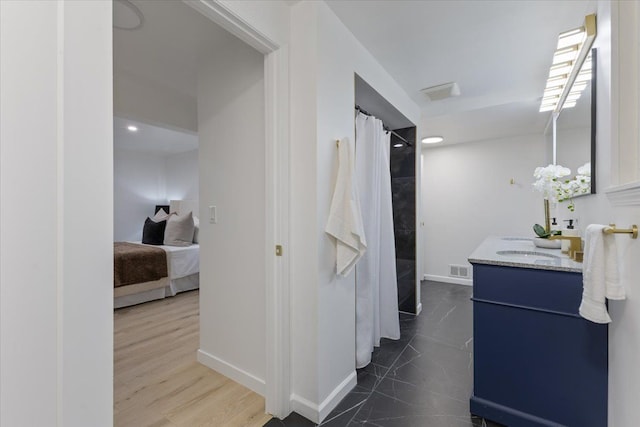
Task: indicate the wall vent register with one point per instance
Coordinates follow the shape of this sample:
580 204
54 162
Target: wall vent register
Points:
459 271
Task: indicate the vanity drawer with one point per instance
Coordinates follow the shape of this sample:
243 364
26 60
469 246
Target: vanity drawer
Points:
554 291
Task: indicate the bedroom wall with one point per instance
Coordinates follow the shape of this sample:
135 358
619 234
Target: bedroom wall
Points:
142 180
139 183
56 136
232 173
182 181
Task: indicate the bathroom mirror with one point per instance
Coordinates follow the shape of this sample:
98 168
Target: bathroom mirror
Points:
576 128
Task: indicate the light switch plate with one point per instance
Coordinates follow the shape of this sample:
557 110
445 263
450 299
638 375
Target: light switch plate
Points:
213 214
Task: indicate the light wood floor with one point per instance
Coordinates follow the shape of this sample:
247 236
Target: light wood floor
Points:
159 383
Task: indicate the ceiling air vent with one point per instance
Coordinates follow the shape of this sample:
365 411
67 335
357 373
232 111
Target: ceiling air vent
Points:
436 93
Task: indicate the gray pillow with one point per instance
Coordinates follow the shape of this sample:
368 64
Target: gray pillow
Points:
179 231
196 232
161 215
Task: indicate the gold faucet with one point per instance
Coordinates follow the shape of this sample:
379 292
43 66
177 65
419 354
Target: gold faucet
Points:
575 246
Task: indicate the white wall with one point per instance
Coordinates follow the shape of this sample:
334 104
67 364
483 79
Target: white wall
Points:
324 58
142 180
467 196
613 158
139 183
232 177
56 300
182 176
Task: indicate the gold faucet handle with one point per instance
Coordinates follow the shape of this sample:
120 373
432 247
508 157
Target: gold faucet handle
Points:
575 243
578 256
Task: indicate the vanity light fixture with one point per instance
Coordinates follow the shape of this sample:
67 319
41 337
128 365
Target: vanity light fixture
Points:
132 128
572 52
432 139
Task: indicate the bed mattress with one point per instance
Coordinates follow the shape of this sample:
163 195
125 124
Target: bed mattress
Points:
183 264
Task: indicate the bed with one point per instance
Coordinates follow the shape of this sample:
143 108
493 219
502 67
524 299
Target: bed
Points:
150 272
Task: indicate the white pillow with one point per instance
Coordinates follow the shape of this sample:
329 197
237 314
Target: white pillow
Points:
160 216
179 231
196 229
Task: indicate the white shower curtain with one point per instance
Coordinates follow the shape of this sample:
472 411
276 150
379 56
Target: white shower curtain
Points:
376 282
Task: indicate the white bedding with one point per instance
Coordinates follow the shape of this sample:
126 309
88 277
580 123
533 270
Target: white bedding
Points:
181 261
183 264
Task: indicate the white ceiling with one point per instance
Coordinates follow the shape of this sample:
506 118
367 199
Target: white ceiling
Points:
499 53
165 49
151 139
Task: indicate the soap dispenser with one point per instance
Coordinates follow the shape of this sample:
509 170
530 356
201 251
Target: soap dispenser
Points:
569 230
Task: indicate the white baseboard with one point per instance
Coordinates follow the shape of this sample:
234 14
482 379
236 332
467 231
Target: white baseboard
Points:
419 309
317 413
447 279
306 408
228 370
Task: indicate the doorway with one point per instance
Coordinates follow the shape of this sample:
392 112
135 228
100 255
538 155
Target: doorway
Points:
225 98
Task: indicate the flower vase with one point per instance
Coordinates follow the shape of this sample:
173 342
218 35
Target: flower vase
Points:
547 216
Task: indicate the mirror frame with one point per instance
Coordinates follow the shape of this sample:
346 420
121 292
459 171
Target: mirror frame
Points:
594 104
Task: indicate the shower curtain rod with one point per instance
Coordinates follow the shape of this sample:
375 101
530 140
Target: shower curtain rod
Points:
384 126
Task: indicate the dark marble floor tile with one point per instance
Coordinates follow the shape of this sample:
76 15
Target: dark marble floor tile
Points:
341 420
346 409
424 379
449 320
405 243
428 409
427 366
389 351
432 294
408 324
369 377
293 420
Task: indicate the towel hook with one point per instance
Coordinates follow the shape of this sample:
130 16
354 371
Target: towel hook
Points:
633 230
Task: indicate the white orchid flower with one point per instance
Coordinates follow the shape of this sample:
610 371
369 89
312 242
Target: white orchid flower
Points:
585 170
548 181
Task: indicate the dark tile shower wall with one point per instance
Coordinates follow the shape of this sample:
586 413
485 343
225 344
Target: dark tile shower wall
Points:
403 189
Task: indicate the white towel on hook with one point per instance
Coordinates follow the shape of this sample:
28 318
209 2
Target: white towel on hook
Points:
345 216
600 276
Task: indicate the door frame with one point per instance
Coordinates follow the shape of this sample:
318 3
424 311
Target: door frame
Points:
277 330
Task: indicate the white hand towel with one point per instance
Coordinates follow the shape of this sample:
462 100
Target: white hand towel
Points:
600 275
614 288
345 217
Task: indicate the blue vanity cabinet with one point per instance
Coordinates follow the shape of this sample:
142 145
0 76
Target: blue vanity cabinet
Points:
536 361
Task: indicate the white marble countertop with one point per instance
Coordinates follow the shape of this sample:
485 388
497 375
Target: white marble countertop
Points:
521 255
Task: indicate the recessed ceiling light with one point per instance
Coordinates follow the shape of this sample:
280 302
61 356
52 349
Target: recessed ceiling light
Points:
398 145
432 139
132 128
126 15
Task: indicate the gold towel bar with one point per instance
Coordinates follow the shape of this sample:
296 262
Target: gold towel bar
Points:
613 230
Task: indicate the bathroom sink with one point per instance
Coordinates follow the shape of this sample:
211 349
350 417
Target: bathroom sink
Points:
527 254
